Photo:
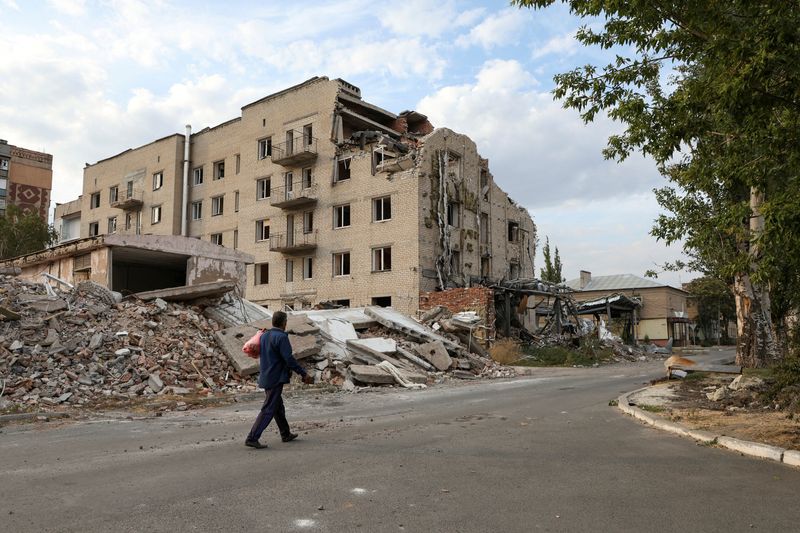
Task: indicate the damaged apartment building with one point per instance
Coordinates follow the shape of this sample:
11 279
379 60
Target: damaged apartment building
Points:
336 200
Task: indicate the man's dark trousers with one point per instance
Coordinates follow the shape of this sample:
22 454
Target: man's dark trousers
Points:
272 408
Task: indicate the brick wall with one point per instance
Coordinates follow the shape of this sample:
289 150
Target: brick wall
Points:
478 299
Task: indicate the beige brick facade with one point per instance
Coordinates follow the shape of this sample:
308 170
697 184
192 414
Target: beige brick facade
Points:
345 155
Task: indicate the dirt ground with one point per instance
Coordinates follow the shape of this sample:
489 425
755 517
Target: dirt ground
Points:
741 414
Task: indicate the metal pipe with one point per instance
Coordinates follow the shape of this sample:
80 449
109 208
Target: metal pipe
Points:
185 198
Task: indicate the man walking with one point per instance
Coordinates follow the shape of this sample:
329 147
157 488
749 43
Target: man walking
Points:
277 363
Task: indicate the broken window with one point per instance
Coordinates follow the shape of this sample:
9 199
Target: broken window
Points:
289 270
235 201
235 239
262 230
484 178
197 176
94 202
262 189
308 267
216 238
341 264
217 205
381 209
155 214
113 194
452 214
129 190
288 184
219 170
262 273
382 259
513 271
308 135
343 169
486 268
308 222
158 180
94 229
341 216
238 162
197 210
306 178
128 220
112 225
484 228
344 302
513 232
382 301
265 147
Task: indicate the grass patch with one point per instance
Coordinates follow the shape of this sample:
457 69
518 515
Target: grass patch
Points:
585 355
652 408
505 352
695 376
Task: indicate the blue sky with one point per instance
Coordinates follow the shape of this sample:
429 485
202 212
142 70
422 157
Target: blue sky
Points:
86 79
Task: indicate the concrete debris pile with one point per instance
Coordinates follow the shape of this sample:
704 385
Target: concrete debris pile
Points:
372 346
83 346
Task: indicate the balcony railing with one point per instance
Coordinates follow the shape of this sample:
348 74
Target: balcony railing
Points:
301 149
299 193
128 201
293 243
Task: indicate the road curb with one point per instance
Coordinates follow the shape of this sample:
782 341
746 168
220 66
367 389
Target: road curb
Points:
753 449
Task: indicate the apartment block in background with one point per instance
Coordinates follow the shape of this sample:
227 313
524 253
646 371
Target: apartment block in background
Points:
337 200
26 179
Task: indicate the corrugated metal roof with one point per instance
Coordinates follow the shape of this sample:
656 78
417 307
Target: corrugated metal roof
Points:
615 282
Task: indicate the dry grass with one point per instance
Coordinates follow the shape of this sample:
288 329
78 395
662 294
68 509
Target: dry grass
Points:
772 427
505 351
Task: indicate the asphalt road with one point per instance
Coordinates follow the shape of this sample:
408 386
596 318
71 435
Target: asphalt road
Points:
542 453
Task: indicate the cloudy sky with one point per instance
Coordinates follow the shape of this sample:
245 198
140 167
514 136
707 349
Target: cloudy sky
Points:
84 79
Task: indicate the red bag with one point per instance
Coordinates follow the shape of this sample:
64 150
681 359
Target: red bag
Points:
252 348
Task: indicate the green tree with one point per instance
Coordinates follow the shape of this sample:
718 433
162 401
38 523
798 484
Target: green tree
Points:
710 90
552 264
23 233
715 306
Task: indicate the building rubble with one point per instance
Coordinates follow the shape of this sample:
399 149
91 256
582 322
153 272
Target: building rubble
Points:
64 346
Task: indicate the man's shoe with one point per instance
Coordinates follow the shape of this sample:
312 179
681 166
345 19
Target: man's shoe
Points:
255 444
288 437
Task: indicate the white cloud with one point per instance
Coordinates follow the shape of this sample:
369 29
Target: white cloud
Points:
11 4
498 29
561 45
428 18
539 152
69 7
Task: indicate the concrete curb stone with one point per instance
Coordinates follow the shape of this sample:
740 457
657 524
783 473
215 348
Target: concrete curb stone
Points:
753 449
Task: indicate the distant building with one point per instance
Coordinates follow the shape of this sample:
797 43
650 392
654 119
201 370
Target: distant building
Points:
337 199
662 315
26 179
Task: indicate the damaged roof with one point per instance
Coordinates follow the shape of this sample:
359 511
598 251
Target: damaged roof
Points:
614 282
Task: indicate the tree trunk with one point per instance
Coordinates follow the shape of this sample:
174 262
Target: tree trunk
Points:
757 345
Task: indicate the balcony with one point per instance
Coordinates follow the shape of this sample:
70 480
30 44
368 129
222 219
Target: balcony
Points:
298 194
299 150
294 243
128 200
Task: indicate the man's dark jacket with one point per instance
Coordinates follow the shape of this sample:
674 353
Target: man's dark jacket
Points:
276 359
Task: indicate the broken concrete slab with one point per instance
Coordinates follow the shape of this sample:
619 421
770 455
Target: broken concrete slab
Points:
52 338
355 315
234 311
371 356
436 354
338 330
189 292
414 359
49 306
304 346
301 325
371 374
155 383
392 319
379 344
231 341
